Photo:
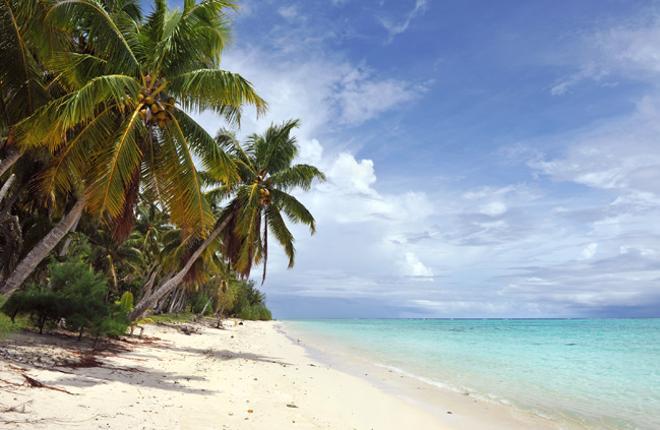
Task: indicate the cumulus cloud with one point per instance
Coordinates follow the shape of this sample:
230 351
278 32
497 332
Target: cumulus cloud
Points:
413 267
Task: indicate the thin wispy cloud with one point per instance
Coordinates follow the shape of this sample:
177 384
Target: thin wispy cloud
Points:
395 27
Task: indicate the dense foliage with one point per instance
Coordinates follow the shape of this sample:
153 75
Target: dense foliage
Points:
114 201
75 297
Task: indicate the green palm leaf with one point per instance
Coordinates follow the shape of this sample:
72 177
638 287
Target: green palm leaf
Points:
218 90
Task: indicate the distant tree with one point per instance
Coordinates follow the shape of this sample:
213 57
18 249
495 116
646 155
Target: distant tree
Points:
258 203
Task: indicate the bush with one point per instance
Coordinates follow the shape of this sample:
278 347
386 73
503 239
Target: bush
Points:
255 312
249 303
8 326
76 294
201 302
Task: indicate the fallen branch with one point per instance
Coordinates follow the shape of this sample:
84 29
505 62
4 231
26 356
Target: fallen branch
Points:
36 384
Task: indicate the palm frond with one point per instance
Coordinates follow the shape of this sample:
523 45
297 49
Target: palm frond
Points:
116 169
281 232
51 123
189 202
214 159
294 210
103 31
217 90
297 176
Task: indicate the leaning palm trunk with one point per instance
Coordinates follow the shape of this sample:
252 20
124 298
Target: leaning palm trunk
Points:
175 280
67 243
6 186
42 249
11 158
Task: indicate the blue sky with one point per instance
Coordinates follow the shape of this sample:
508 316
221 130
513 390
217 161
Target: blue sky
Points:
485 159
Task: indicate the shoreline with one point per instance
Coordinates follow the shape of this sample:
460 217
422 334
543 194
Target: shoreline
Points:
453 408
250 376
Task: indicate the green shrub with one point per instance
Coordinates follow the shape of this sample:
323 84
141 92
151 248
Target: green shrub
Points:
126 302
199 303
76 294
8 326
257 312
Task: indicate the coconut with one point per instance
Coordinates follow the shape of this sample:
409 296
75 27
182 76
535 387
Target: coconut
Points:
155 108
148 100
161 116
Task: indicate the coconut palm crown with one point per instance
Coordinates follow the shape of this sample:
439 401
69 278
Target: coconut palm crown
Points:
124 127
261 199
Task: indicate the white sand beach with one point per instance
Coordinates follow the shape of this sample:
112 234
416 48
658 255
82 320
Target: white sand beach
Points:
249 376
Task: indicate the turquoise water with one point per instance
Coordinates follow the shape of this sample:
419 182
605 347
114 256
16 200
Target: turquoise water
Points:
593 373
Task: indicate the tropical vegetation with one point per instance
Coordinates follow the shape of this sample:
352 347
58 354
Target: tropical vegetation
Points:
114 201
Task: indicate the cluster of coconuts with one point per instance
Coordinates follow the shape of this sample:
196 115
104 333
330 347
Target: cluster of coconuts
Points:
264 193
156 109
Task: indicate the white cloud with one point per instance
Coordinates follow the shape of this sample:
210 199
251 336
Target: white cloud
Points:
617 155
589 251
495 208
363 99
413 267
351 175
288 12
395 28
628 50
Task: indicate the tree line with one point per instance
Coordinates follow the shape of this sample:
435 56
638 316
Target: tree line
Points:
111 194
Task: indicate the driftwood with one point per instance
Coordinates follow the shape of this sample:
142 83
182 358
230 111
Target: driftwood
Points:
37 384
183 328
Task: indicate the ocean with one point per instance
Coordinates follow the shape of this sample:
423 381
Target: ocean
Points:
591 373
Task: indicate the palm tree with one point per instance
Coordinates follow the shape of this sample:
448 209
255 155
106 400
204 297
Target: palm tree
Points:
125 125
25 40
256 204
263 195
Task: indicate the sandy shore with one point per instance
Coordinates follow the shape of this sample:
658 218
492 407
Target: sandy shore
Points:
249 376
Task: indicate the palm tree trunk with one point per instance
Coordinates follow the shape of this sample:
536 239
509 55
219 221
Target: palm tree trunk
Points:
12 156
42 249
67 243
146 290
206 305
175 280
5 187
175 300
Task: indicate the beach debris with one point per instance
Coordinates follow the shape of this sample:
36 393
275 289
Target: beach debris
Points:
19 409
250 411
291 405
449 412
37 384
189 329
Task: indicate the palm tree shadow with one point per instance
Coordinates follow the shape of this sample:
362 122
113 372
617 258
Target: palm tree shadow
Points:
226 354
152 377
223 354
138 376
